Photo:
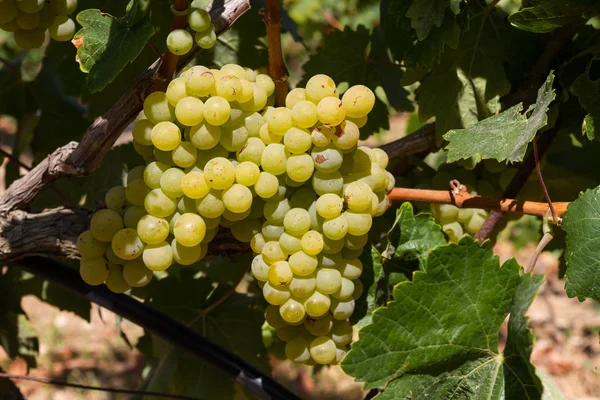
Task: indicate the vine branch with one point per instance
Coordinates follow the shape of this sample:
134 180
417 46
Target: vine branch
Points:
277 69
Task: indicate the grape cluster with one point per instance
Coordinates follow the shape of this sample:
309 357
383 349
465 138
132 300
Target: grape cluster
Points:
29 20
180 41
292 181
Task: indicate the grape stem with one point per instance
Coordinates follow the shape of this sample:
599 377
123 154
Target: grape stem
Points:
538 170
463 199
277 68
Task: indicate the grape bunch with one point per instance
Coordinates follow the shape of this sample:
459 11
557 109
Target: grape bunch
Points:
180 41
291 181
30 19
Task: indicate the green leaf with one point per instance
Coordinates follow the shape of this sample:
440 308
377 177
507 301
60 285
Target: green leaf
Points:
106 44
588 92
548 15
581 222
439 337
424 14
467 84
589 127
504 136
375 291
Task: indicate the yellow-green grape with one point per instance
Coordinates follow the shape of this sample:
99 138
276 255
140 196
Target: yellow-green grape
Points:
454 231
238 198
164 157
176 91
247 92
297 221
105 224
336 228
321 135
258 242
360 122
317 304
132 216
477 219
8 11
327 159
312 243
199 81
380 178
144 151
323 350
292 311
299 167
189 111
258 101
346 135
267 136
228 87
185 255
160 205
280 273
272 252
234 139
289 243
294 96
194 185
12 26
363 158
253 122
272 232
30 6
330 205
297 350
273 317
28 21
380 157
170 182
62 29
341 333
289 332
279 120
30 39
302 286
303 198
351 268
328 182
330 111
217 110
267 185
353 242
136 274
190 229
358 223
345 291
274 210
319 327
90 247
152 229
199 20
93 271
351 253
342 309
206 39
153 172
158 257
115 281
259 268
302 264
358 196
211 205
63 7
157 108
136 191
305 114
358 101
316 221
358 289
331 246
297 141
329 280
111 257
166 136
219 173
142 132
320 86
247 173
275 296
185 154
205 136
179 41
126 244
116 199
266 83
245 230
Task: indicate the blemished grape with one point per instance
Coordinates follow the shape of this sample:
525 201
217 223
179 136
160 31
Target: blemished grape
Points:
358 196
136 274
90 247
358 101
158 257
126 244
62 29
219 173
179 41
280 273
330 111
328 158
346 135
275 296
320 86
93 271
152 229
199 81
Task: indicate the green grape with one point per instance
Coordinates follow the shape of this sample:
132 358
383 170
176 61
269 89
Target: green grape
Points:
305 114
184 155
237 199
476 221
219 173
273 159
211 205
111 257
279 120
142 132
383 204
258 101
116 199
346 135
329 280
302 264
267 136
330 260
228 87
280 273
234 139
90 247
358 101
358 223
205 136
233 70
189 229
236 116
351 268
303 198
247 173
144 151
380 157
9 11
212 223
28 21
345 291
297 141
250 74
341 333
136 274
205 156
363 158
302 286
152 230
62 29
297 350
289 243
288 332
259 268
292 312
358 196
265 82
275 210
330 111
342 309
323 350
360 122
297 221
321 135
132 216
380 178
327 159
164 157
170 182
105 224
299 167
158 204
194 185
126 244
12 26
207 39
358 289
353 242
350 254
272 231
199 20
331 246
267 185
328 182
312 243
177 91
93 271
186 255
157 108
275 296
115 281
320 86
158 257
294 96
316 221
319 327
258 242
153 173
30 6
63 7
272 252
253 122
166 136
330 205
273 317
317 304
336 228
446 213
454 231
199 81
216 110
245 230
189 111
31 39
179 41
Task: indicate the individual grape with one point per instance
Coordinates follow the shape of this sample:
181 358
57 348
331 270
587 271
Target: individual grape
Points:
312 243
258 100
358 223
321 135
152 230
199 20
234 139
199 81
289 332
331 246
28 21
170 182
116 200
253 122
475 223
380 157
132 216
272 231
329 280
345 291
275 296
274 211
160 205
63 7
328 182
327 159
142 132
115 281
189 111
158 257
219 173
360 122
135 173
184 155
358 289
323 350
93 271
9 11
267 136
245 230
280 273
380 178
179 42
279 120
272 252
335 228
259 268
30 6
454 231
176 91
265 82
144 151
351 254
346 135
292 312
317 304
194 185
351 268
166 136
294 96
297 221
330 111
216 110
297 141
136 274
252 151
90 247
258 242
30 39
237 199
330 205
205 136
341 333
320 86
274 158
358 196
207 39
358 101
189 229
105 224
353 242
300 167
211 205
289 243
234 70
302 264
305 114
111 257
302 286
342 309
319 327
229 87
152 174
330 260
164 157
267 185
186 255
136 191
297 350
303 198
363 158
126 244
157 108
247 173
316 221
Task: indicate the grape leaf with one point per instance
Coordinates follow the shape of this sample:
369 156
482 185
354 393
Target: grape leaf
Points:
589 127
106 44
424 14
467 84
588 92
504 136
548 15
439 337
